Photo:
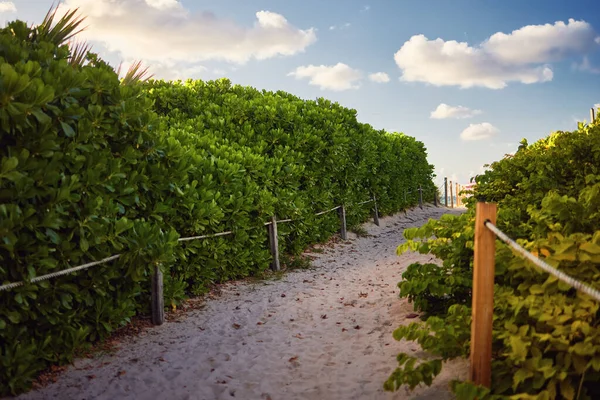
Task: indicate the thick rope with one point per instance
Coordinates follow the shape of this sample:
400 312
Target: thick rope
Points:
108 259
543 265
60 273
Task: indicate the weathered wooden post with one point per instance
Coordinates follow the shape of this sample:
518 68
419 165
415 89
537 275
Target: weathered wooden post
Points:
592 115
446 191
342 213
480 372
457 198
420 197
274 244
157 297
451 196
375 211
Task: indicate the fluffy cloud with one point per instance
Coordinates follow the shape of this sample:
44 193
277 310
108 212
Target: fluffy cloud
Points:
479 131
159 30
379 77
445 111
519 56
163 4
335 77
586 66
7 6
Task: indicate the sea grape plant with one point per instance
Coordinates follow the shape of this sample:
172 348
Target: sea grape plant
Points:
92 165
546 335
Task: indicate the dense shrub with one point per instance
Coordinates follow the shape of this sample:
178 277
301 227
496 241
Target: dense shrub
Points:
546 340
92 166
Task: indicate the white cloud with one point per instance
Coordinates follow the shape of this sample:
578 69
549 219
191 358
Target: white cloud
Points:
163 4
586 66
445 111
160 30
7 6
335 77
365 8
520 56
542 43
479 131
379 77
343 26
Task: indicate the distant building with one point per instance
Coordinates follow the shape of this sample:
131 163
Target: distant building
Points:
468 187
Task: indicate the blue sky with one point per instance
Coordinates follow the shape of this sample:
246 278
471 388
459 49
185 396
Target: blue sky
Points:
516 72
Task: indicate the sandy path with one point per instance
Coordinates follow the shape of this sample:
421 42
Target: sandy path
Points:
323 333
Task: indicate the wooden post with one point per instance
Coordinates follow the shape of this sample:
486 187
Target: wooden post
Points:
342 212
446 191
375 212
592 115
451 196
274 244
157 298
480 372
457 199
420 197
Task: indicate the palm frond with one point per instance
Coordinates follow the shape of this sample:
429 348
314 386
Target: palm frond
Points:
135 73
63 29
79 51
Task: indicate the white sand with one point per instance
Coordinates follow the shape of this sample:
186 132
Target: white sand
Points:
292 338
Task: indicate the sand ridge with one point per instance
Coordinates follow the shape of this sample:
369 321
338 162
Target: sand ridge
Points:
321 333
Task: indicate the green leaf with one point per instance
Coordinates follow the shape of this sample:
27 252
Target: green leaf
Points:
567 390
519 347
8 164
69 132
83 244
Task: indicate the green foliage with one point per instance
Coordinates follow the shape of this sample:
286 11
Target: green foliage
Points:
433 288
92 166
546 335
445 338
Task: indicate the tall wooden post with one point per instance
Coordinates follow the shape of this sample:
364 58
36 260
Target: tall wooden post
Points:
420 197
375 211
457 192
592 115
274 244
156 297
451 196
446 191
480 372
343 233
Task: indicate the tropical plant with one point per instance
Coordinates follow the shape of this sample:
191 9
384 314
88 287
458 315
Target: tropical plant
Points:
546 340
92 165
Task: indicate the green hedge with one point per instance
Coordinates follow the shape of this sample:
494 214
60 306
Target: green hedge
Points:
92 166
546 334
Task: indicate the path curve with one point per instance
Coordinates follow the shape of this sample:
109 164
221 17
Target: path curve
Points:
323 333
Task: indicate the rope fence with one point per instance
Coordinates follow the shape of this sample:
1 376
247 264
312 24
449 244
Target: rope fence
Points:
60 273
157 277
67 271
582 287
212 235
486 232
